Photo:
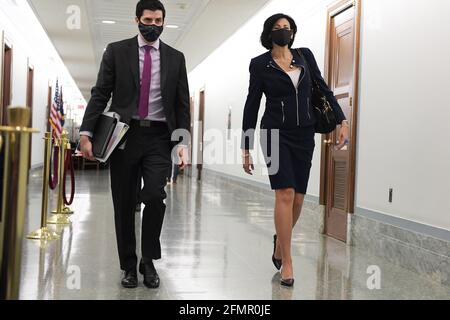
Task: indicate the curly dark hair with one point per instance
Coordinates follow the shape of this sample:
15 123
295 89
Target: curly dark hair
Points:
266 38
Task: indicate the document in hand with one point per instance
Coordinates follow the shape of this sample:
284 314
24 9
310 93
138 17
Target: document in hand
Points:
108 132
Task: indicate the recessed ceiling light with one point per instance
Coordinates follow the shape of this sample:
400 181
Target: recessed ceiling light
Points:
172 26
108 22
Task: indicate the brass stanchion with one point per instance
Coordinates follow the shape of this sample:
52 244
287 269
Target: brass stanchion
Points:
14 191
44 233
61 212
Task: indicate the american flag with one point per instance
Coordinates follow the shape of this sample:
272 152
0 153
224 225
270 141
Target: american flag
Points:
55 114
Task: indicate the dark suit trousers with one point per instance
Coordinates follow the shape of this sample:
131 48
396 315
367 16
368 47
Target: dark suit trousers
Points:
148 151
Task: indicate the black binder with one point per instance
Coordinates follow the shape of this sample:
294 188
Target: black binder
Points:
103 131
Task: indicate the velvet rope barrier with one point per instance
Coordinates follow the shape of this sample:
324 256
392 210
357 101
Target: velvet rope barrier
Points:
53 181
68 165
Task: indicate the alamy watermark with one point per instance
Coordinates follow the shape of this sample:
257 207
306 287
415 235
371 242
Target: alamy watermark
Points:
374 280
225 148
73 281
73 21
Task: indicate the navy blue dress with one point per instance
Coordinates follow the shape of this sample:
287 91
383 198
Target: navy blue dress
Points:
292 167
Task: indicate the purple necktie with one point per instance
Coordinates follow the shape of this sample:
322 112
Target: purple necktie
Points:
145 84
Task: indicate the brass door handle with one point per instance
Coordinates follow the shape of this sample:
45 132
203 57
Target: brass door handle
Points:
328 142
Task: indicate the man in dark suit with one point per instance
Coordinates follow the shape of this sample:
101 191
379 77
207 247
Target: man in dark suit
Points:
148 83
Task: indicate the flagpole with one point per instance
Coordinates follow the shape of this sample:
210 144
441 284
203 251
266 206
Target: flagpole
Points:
60 138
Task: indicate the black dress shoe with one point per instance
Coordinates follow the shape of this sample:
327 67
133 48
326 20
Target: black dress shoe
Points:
130 279
287 282
151 278
276 262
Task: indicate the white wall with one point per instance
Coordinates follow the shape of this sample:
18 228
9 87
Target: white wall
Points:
403 130
30 41
404 117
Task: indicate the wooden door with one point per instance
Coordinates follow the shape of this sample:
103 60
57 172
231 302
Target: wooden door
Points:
339 164
30 91
201 119
49 107
7 82
191 147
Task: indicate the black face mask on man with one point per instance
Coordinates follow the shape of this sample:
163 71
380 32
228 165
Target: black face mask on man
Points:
150 32
281 37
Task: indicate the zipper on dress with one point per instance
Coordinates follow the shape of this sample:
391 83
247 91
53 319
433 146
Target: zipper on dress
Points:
282 110
303 71
309 115
296 99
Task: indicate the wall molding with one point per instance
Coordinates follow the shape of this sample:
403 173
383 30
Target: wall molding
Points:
424 254
413 226
36 167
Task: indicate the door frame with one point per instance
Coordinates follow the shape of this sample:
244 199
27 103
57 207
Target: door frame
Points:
191 129
333 10
201 131
29 102
49 105
30 69
4 43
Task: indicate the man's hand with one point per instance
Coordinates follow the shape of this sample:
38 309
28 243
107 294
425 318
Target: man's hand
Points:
183 156
247 162
86 148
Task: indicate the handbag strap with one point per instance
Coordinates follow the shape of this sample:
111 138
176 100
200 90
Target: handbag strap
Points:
313 80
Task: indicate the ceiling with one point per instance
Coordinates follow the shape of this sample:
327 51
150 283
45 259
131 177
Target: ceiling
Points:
202 26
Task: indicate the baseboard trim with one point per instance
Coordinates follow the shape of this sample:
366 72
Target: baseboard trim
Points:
36 167
414 246
405 224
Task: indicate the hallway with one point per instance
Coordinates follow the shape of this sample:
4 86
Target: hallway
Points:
217 244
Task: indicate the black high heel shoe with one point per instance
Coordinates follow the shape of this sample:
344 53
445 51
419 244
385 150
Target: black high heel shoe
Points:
287 282
276 262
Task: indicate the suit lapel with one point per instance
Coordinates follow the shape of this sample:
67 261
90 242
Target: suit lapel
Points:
133 57
164 65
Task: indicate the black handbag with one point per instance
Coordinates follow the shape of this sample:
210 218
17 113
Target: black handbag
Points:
326 120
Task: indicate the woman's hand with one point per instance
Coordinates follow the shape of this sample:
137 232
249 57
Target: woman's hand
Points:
344 134
247 162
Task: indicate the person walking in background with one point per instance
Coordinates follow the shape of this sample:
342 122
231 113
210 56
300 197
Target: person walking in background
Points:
147 80
175 168
284 76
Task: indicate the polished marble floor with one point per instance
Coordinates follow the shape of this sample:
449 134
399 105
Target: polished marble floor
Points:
217 244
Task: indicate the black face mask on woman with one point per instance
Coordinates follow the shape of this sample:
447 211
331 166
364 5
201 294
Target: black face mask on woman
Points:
281 37
150 32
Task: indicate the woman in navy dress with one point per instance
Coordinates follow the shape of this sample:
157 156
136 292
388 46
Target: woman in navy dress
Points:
284 76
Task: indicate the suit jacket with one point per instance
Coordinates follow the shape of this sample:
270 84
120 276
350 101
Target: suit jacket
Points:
287 106
119 76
